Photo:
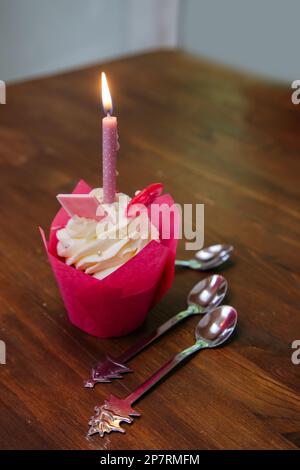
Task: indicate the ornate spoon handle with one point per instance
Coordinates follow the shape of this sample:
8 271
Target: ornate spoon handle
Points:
115 411
112 368
164 370
140 345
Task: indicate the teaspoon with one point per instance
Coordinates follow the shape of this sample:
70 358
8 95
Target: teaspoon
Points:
212 330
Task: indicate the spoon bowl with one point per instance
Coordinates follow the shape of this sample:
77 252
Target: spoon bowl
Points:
207 258
208 293
216 326
213 256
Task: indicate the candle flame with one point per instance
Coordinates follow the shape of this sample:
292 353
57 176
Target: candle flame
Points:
106 96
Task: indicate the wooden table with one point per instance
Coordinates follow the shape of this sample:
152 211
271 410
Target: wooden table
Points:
212 136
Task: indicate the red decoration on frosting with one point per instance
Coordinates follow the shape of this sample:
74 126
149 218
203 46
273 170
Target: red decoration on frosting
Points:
145 197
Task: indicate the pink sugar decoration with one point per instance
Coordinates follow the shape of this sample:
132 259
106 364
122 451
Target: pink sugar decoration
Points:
82 205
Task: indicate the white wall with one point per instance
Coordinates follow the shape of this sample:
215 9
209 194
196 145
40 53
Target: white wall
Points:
257 35
45 36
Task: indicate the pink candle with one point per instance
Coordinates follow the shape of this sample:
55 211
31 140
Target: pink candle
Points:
110 146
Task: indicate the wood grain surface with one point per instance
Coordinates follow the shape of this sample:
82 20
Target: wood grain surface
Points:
212 136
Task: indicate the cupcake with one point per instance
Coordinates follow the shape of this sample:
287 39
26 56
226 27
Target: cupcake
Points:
114 266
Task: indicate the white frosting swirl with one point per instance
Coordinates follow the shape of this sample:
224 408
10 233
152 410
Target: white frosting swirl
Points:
99 248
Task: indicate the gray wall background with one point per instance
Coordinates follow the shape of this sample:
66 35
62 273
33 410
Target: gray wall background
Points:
46 36
256 35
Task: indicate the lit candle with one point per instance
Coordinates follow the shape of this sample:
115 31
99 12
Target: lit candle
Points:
110 145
